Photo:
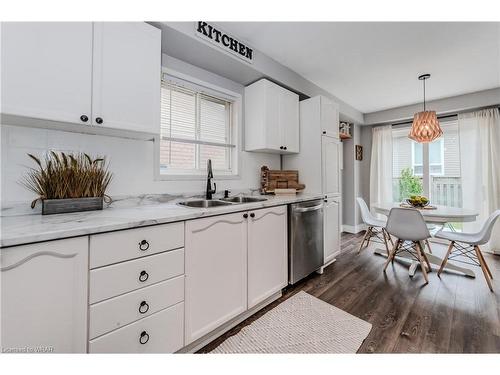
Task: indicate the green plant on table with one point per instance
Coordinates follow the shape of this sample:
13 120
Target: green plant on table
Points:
62 176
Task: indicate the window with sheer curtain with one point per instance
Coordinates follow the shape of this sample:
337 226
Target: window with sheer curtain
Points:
195 127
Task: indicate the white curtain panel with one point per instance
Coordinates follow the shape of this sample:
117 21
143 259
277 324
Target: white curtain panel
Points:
381 165
480 168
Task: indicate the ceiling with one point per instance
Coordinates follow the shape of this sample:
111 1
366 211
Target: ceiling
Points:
374 65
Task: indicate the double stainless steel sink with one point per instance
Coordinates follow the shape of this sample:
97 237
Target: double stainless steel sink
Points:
206 203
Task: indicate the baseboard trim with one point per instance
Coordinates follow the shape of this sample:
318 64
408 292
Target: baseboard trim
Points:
354 229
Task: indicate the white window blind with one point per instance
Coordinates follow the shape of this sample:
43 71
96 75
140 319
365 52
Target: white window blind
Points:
195 127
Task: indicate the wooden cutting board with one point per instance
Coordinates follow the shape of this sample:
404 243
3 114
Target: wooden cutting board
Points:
278 179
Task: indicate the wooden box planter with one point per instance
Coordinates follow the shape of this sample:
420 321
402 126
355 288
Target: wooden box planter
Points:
61 206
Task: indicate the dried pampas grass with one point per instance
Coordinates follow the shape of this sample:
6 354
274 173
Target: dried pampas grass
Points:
64 175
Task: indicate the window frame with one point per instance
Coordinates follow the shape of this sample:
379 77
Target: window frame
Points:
216 92
413 164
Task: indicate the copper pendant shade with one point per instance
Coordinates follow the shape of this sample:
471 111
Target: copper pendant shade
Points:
425 127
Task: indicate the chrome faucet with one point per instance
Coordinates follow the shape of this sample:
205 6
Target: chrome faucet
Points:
210 175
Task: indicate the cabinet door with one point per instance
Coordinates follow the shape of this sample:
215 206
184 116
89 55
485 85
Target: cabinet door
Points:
330 150
331 229
267 253
47 70
273 136
329 118
216 272
289 120
127 76
44 296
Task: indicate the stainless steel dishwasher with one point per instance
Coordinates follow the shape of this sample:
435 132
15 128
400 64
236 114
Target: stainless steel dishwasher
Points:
305 239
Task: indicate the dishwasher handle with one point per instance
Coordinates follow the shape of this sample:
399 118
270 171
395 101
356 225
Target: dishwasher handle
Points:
308 209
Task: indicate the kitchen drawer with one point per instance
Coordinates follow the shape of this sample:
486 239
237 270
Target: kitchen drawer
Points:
116 312
161 332
111 281
114 247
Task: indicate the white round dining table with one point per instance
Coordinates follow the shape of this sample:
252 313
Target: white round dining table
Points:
441 216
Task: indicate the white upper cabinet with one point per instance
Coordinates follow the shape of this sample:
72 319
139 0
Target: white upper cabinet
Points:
271 118
126 76
329 118
267 253
106 75
44 296
46 70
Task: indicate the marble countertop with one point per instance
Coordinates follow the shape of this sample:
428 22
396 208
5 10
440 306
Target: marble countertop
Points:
121 214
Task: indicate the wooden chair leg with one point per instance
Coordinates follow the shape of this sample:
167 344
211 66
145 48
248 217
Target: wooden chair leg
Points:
392 254
422 263
370 234
445 259
485 264
422 252
364 239
385 241
388 236
483 267
428 246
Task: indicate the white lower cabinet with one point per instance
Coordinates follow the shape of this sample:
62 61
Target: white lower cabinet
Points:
117 312
216 272
161 332
331 228
233 262
44 296
267 253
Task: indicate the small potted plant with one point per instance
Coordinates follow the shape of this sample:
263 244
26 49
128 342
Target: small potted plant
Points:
68 182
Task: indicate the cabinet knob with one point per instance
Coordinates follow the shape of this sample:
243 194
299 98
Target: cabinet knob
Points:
281 147
143 276
143 307
252 215
144 338
245 216
84 118
324 131
143 245
284 148
99 120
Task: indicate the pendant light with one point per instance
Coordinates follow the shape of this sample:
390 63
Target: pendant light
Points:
425 127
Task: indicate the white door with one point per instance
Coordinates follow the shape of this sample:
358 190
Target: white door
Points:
127 76
46 70
289 120
267 253
44 296
331 228
216 272
329 118
330 152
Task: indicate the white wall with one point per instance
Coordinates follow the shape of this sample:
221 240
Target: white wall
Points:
131 161
452 104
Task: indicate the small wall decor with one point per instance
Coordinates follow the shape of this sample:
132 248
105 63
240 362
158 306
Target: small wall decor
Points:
359 152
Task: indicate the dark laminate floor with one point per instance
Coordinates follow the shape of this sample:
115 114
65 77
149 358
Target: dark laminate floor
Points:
453 314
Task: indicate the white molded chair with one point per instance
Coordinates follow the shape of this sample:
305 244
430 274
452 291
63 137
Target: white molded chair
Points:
466 245
376 228
408 226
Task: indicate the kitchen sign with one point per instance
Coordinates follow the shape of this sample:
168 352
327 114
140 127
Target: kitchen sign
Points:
223 40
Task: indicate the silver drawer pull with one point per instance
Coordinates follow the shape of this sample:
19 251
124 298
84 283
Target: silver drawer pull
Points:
144 338
143 276
143 307
143 245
